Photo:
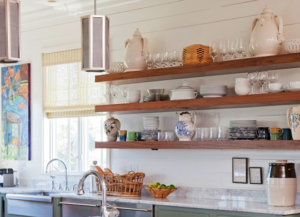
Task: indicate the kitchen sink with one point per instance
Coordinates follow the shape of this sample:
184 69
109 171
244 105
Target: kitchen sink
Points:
34 204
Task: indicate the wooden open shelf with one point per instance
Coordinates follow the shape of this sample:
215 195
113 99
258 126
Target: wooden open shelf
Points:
224 144
284 61
283 98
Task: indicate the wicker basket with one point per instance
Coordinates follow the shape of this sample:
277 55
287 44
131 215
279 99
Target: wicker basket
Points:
196 54
160 193
127 185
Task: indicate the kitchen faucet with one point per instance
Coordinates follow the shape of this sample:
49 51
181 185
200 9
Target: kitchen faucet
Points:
66 172
106 211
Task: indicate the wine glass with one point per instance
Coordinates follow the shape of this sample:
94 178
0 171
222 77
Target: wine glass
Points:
223 50
178 58
252 77
149 61
173 58
213 50
157 60
231 49
241 49
273 77
262 79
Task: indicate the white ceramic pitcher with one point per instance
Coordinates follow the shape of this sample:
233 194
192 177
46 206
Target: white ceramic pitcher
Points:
267 34
185 127
135 52
293 117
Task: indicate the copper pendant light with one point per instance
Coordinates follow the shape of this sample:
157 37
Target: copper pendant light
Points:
9 31
95 42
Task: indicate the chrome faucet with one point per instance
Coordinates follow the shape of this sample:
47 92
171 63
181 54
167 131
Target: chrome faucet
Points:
66 172
105 210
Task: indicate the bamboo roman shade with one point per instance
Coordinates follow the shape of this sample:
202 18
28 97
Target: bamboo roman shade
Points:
68 91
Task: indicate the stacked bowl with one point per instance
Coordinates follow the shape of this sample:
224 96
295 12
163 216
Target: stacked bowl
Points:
151 122
151 125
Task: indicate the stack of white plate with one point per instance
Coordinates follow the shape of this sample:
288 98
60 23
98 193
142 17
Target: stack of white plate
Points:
151 122
213 90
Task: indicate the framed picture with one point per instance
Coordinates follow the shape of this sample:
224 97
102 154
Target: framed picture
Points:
15 112
255 174
240 170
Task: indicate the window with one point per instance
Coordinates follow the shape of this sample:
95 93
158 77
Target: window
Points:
71 126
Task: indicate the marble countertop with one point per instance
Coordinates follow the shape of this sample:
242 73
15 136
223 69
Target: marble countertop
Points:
201 203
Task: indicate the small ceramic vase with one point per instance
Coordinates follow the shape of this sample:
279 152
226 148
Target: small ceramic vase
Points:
112 126
185 128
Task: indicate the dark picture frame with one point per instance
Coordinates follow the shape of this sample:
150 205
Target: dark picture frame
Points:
256 175
239 170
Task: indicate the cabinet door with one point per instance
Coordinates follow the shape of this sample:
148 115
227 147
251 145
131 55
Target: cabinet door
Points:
241 214
165 211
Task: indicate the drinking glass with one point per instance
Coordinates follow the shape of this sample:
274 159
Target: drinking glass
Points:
213 131
178 58
197 135
273 77
213 50
231 49
223 51
169 136
149 61
157 60
222 133
204 133
253 77
166 59
262 79
173 58
161 136
241 48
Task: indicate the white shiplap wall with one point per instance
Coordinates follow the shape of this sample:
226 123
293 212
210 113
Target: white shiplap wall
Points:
167 24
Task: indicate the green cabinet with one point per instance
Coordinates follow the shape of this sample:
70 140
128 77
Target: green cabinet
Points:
167 211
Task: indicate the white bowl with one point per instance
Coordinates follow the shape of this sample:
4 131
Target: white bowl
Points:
294 84
274 87
292 45
213 90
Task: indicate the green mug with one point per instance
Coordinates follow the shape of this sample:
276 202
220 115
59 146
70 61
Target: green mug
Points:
133 136
276 133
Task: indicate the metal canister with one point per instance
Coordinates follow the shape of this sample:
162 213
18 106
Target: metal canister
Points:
281 183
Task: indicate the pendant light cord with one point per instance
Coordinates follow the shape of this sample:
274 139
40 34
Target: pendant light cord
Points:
95 7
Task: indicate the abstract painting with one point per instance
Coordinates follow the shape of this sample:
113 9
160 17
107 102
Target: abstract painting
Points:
15 112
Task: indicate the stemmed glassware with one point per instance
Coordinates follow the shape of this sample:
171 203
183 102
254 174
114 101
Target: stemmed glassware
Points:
213 50
253 78
223 51
164 59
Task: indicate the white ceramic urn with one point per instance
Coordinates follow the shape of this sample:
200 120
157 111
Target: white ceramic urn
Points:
267 34
135 52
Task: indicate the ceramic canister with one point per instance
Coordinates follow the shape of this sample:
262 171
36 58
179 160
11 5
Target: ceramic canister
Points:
282 184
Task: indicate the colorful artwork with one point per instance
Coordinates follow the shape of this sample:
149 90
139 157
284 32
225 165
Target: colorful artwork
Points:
15 112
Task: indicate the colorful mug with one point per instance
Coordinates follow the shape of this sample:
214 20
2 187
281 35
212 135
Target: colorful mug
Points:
276 133
287 134
122 135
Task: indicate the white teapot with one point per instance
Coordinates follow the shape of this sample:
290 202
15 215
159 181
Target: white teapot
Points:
135 52
267 34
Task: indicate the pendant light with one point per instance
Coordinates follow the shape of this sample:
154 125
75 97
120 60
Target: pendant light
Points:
9 31
95 42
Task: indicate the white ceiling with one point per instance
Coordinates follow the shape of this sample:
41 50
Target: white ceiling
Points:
40 13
